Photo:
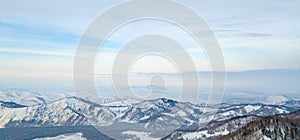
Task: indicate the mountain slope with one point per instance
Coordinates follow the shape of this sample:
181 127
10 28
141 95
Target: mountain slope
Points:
275 100
65 112
278 127
230 118
29 133
151 117
213 129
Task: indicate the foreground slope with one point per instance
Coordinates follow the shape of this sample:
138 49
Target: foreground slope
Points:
280 127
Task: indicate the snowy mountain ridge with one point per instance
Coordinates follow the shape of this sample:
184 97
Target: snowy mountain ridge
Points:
72 111
138 117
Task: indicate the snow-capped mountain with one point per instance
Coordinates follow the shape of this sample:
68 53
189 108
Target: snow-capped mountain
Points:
21 97
29 98
230 118
230 111
213 129
56 113
75 111
68 111
279 127
292 103
138 117
11 104
274 100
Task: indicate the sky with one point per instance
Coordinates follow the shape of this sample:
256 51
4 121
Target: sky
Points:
38 39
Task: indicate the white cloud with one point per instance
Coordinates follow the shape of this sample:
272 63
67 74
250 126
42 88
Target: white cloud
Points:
40 52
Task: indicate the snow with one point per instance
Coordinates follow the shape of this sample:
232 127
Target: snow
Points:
280 110
228 113
266 138
121 102
200 134
71 136
56 113
250 108
139 135
60 111
145 118
275 99
28 98
181 113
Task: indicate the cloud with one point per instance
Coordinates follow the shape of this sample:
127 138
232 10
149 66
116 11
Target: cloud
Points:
32 32
39 52
268 36
253 35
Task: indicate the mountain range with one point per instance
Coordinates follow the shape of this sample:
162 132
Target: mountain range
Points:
152 119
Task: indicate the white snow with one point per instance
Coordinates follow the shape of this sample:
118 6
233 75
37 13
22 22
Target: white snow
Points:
250 108
200 134
275 99
140 135
24 97
229 113
280 110
115 101
71 136
266 138
181 113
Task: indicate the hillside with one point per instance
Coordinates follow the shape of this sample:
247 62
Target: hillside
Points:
280 127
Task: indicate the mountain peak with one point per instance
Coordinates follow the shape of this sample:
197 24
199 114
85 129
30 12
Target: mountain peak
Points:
275 99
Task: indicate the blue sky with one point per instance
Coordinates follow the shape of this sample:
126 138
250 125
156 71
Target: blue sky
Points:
38 38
